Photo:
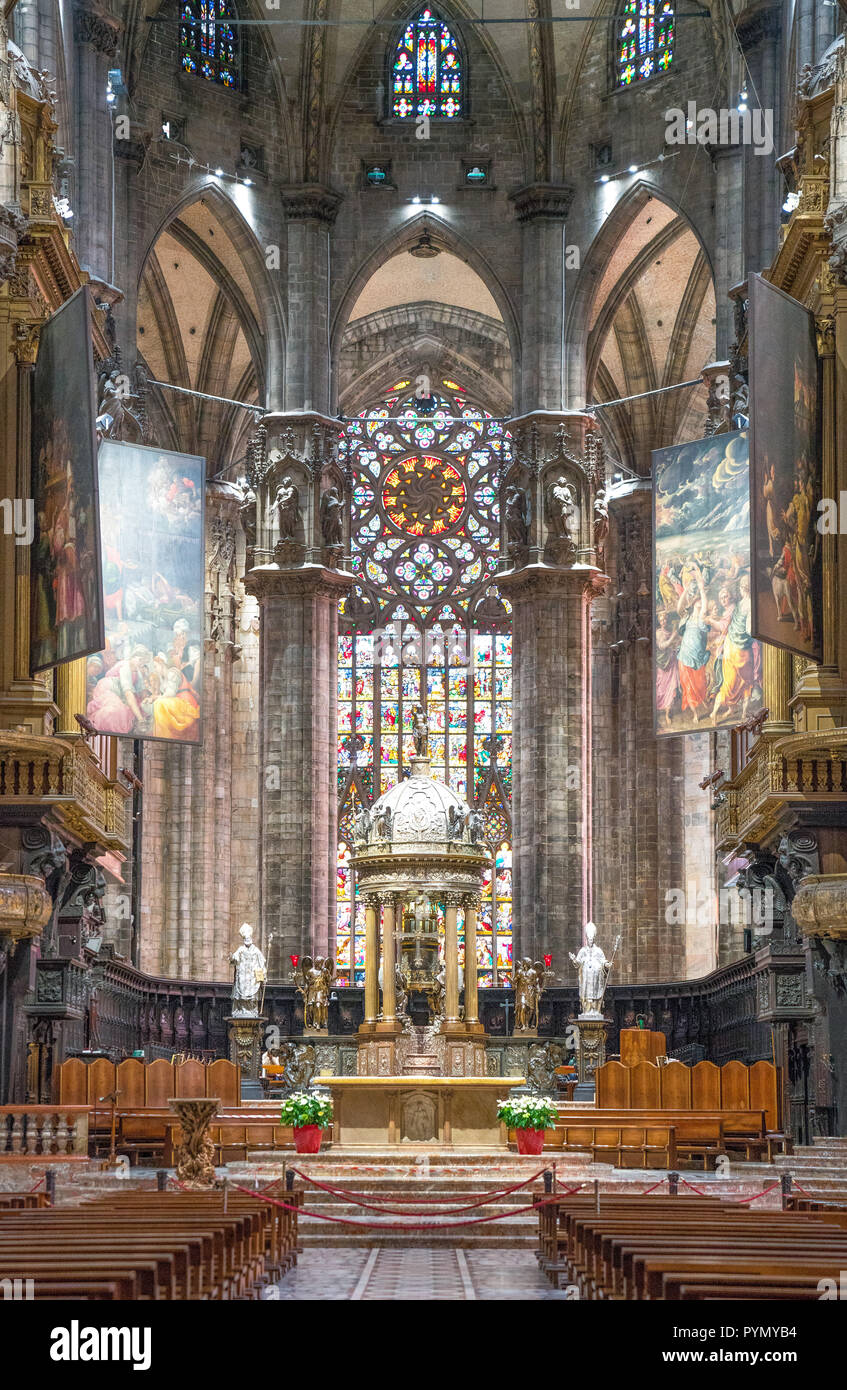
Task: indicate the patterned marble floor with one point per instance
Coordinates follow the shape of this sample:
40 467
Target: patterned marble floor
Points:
415 1274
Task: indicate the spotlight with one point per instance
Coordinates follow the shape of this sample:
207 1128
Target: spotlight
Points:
416 199
633 168
219 173
604 178
248 183
434 199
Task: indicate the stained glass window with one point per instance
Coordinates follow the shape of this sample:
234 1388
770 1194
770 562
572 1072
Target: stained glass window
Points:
426 75
208 42
426 623
645 40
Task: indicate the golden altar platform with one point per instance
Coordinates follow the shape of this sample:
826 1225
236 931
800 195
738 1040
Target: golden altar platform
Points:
385 1110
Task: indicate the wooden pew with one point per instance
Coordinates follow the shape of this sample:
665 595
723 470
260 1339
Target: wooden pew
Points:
641 1247
151 1245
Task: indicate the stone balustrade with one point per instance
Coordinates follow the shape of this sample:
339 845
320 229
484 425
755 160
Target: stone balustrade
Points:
43 1130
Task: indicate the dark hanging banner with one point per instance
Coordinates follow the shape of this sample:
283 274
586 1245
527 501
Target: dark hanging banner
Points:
707 667
785 472
66 618
147 682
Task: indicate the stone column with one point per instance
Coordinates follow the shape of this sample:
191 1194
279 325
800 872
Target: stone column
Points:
759 35
541 210
471 987
310 211
298 610
371 960
389 983
729 238
451 961
95 48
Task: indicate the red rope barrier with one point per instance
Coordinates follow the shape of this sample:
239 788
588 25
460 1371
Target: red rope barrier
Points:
451 1209
36 1185
735 1201
397 1225
648 1190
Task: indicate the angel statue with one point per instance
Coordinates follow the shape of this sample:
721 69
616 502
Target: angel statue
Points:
362 826
313 981
250 975
529 983
593 969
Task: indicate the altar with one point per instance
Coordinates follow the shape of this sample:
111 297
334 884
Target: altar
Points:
379 1111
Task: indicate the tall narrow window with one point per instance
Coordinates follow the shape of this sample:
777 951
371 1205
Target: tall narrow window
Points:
426 624
645 40
426 75
209 42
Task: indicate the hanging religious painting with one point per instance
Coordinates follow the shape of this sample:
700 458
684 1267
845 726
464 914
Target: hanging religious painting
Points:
785 472
147 682
66 615
707 665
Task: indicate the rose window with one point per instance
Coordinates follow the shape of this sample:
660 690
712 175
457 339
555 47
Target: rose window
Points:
424 496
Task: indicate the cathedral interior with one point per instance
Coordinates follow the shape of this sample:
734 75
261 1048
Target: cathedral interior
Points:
393 411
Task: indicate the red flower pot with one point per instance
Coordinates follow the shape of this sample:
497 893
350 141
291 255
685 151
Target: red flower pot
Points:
530 1141
307 1139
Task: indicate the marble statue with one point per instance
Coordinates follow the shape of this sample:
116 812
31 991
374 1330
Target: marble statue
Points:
362 826
420 730
250 974
529 984
593 968
455 823
288 508
476 827
561 501
332 508
517 526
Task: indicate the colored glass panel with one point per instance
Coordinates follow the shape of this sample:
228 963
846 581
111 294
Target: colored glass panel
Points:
427 77
424 535
645 40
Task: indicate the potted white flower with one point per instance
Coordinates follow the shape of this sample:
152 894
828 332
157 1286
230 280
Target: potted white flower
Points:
528 1116
307 1114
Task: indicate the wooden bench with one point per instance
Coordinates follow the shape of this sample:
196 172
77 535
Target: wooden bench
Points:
152 1246
648 1247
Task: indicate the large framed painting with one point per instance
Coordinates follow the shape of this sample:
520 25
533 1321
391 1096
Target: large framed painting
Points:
707 664
66 601
147 682
785 472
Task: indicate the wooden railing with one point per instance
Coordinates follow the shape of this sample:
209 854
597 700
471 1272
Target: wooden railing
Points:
43 1131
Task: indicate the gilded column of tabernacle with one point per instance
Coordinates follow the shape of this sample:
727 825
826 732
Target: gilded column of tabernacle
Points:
471 996
371 958
451 960
389 993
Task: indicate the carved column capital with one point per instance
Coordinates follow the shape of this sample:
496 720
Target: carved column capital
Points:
542 200
95 28
310 202
25 345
